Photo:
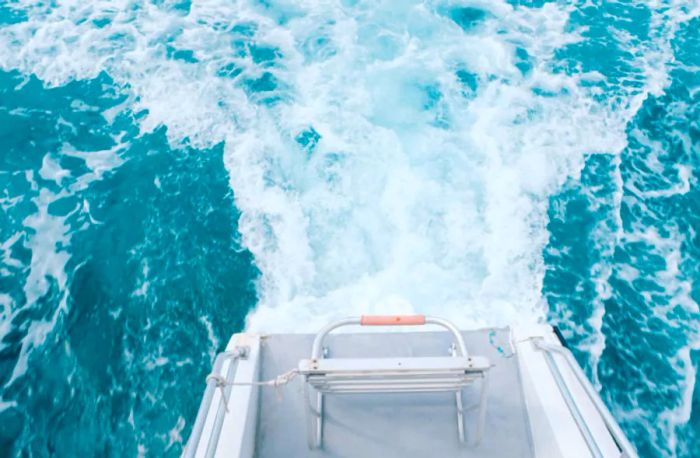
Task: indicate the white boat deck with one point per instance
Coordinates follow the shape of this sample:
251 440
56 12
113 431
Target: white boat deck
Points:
391 425
539 403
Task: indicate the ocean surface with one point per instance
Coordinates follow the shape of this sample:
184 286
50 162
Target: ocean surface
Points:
174 171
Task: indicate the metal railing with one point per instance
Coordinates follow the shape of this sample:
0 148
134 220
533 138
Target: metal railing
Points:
214 381
626 448
389 320
375 375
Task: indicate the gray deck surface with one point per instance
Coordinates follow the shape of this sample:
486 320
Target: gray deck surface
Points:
391 425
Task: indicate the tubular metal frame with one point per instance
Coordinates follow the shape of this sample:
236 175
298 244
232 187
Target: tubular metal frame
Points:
214 382
318 341
314 413
626 448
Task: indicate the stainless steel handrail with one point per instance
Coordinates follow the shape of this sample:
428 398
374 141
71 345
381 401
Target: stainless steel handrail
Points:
626 448
213 382
318 341
315 413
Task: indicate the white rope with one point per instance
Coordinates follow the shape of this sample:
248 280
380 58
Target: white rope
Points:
276 382
218 378
281 379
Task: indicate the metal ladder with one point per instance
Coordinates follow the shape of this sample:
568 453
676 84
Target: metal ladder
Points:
391 375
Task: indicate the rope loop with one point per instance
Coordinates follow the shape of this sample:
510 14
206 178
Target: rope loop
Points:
218 378
221 385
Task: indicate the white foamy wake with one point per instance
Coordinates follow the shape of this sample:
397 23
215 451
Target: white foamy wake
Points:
422 194
48 239
679 375
438 210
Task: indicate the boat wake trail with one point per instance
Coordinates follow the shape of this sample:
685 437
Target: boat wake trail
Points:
396 157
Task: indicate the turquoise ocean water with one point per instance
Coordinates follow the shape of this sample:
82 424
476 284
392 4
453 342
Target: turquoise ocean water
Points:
174 171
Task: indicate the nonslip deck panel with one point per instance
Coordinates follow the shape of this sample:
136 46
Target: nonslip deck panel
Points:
391 425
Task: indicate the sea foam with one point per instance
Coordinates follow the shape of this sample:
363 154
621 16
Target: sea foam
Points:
385 158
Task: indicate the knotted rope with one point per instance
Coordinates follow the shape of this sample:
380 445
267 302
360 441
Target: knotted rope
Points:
276 382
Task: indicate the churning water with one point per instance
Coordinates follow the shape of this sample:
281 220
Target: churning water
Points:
173 170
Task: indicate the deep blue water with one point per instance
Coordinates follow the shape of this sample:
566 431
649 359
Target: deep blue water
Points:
171 169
